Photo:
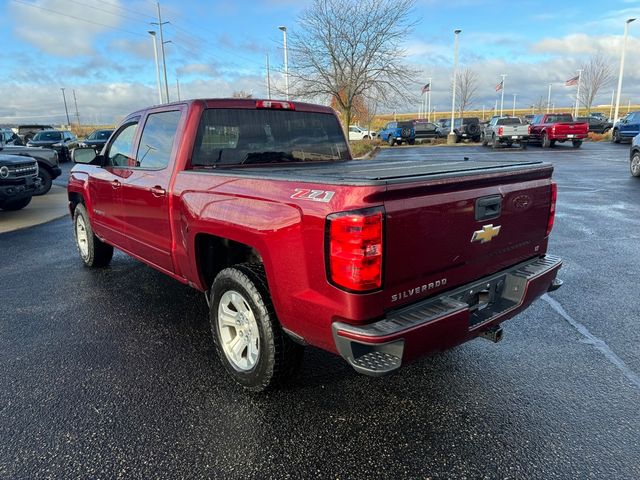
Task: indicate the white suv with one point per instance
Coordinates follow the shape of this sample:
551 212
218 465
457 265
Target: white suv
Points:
359 133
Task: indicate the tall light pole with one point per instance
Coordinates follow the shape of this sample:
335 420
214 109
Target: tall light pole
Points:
162 42
429 101
286 60
504 75
155 56
549 98
514 104
624 48
65 106
451 138
578 94
75 102
268 78
613 94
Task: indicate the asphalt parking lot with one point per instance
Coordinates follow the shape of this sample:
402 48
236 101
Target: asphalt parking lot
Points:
112 373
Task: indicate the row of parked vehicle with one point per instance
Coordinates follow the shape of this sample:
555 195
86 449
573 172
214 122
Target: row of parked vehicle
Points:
30 160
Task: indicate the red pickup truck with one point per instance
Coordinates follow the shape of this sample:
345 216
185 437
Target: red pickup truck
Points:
557 127
258 204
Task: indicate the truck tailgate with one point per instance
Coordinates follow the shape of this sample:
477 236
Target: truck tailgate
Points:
443 234
570 128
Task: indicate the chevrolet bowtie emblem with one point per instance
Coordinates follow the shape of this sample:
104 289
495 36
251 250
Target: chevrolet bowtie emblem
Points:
486 234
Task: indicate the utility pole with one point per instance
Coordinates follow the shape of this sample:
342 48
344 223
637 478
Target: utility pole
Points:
621 73
178 87
549 98
429 101
514 104
162 42
65 106
504 75
76 104
613 93
286 60
268 78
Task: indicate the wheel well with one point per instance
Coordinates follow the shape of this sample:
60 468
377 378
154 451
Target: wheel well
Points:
213 254
74 199
43 165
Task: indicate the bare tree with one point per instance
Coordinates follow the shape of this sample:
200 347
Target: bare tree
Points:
344 50
241 94
596 73
541 105
466 89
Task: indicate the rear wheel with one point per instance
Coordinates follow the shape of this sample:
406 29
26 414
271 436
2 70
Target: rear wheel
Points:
494 142
484 140
546 143
249 340
13 205
391 141
576 143
93 251
523 145
635 164
411 142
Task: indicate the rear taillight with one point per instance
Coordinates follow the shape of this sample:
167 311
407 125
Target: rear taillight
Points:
529 129
275 105
500 130
354 249
552 207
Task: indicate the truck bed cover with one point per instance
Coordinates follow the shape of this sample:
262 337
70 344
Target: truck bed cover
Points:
379 172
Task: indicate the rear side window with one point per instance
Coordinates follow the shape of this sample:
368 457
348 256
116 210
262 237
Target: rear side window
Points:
156 142
228 137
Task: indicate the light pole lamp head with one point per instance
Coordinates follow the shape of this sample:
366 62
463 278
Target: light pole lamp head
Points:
283 28
457 31
631 20
152 32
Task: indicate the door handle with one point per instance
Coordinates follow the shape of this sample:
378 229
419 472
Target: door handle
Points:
158 191
115 184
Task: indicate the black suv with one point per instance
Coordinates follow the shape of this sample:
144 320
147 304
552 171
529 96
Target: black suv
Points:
62 141
18 181
468 127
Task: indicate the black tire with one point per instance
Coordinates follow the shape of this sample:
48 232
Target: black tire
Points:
509 144
484 140
634 164
279 358
615 138
411 142
546 143
45 181
576 143
12 205
97 254
523 145
366 137
391 141
494 142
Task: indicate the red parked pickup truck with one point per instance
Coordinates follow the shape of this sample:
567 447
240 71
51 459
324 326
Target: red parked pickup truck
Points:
557 127
258 204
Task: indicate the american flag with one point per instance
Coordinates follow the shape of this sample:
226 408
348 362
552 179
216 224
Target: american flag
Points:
572 81
499 86
426 88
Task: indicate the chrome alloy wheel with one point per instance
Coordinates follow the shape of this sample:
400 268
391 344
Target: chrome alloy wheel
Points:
238 329
635 165
82 238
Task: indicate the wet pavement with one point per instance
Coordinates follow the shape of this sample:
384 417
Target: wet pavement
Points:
112 372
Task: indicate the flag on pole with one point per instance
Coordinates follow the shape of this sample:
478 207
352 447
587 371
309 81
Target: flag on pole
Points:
500 86
426 88
572 81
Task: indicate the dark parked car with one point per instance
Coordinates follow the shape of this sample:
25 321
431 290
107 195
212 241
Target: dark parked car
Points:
634 156
627 128
596 124
463 128
424 130
27 132
599 115
397 133
48 165
96 139
18 181
62 141
7 137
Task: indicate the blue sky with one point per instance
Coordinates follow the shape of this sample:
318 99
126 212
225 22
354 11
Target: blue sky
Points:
101 49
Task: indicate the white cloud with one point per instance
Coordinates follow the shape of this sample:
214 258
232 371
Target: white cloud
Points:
38 24
583 44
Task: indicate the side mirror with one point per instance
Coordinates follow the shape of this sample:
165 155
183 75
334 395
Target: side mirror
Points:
87 156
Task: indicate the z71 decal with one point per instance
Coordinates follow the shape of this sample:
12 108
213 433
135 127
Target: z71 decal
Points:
314 195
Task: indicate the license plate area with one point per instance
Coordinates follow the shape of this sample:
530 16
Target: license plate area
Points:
485 300
570 136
